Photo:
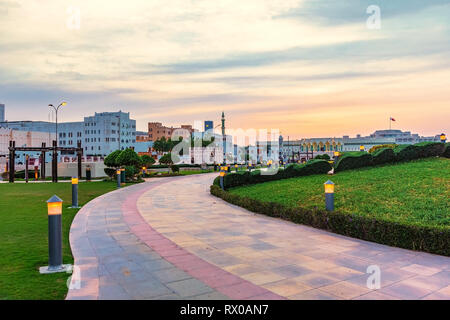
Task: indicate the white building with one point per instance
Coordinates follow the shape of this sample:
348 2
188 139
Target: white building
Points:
2 112
99 135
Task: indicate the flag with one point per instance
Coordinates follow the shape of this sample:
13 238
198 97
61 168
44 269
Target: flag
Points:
392 119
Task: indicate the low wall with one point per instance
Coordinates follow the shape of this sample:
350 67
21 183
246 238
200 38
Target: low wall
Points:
70 169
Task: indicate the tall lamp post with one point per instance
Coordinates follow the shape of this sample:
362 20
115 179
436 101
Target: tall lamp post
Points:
56 115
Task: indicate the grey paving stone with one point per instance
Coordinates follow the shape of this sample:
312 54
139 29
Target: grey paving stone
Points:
189 287
147 289
170 275
292 271
154 265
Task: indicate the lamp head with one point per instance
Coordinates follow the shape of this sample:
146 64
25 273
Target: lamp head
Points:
329 186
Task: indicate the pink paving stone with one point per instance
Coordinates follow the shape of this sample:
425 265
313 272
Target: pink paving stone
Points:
205 272
267 296
222 281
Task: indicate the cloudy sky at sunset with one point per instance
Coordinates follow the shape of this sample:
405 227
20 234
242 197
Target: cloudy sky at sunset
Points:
311 68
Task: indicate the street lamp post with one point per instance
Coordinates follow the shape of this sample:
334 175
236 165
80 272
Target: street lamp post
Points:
56 116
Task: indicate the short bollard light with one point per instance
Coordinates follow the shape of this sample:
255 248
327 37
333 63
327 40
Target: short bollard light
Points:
75 193
236 166
118 173
222 174
54 206
443 138
122 176
329 195
361 148
144 170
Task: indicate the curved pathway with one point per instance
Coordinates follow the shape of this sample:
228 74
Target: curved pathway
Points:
170 239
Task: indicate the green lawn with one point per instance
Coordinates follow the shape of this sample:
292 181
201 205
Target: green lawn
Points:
416 192
24 240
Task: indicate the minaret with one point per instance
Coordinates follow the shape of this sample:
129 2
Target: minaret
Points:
224 139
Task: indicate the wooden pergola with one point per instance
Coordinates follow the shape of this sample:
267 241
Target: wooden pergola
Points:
43 150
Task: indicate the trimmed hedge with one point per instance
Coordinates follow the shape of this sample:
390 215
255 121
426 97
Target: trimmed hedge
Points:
236 179
353 160
446 152
414 237
404 152
382 156
382 146
323 156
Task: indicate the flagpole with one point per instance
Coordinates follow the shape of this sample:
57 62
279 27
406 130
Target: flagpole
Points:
390 123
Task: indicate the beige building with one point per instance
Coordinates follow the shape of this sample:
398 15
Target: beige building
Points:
156 130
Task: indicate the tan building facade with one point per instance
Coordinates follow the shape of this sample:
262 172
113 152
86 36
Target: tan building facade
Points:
156 130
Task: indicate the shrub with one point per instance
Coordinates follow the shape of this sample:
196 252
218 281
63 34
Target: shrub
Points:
294 170
415 237
429 149
384 155
323 156
111 159
382 146
147 161
110 172
21 174
405 152
128 157
175 168
446 152
131 172
353 160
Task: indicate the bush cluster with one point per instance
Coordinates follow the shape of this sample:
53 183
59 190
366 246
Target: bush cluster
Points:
382 146
236 179
323 156
404 152
415 237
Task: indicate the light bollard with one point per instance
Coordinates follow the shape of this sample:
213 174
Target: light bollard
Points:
75 193
362 148
336 158
329 195
443 138
222 174
118 173
122 176
55 261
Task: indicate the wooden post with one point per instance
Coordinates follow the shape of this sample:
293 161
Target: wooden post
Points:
55 163
12 160
43 162
26 168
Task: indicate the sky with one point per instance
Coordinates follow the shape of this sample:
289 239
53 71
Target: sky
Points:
310 68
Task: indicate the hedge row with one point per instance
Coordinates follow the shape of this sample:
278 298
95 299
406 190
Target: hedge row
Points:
294 170
405 152
429 239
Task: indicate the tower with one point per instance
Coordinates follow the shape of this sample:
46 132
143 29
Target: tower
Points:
224 139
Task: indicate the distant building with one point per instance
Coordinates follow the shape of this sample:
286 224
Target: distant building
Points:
99 134
345 143
156 130
23 139
2 113
142 136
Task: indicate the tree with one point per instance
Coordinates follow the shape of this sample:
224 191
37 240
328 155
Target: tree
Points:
111 159
128 158
147 161
169 159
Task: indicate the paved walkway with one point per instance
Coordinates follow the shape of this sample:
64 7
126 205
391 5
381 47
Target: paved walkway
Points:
170 239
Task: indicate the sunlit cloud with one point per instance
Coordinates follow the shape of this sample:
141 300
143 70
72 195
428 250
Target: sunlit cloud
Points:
307 67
